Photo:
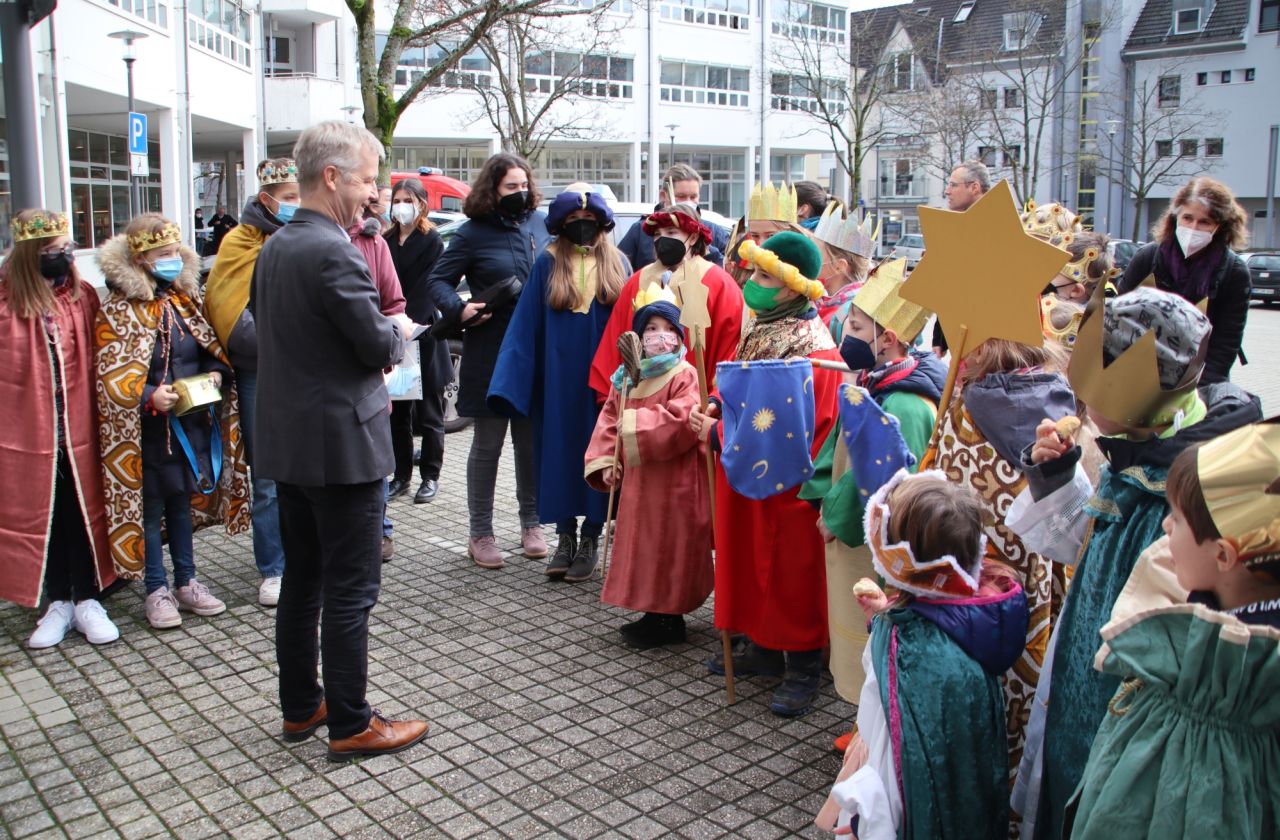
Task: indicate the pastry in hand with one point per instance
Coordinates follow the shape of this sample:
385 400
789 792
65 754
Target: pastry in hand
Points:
1067 427
866 587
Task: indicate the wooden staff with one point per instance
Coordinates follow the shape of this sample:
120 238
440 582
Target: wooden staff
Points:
958 351
630 350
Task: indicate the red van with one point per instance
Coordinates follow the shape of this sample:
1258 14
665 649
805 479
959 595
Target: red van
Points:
443 192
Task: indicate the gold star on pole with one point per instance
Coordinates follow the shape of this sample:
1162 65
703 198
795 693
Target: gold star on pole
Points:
982 273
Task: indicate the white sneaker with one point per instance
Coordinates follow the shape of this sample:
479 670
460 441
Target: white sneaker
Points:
269 591
53 626
91 620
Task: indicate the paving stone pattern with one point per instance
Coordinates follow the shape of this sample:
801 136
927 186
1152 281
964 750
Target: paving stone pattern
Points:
542 723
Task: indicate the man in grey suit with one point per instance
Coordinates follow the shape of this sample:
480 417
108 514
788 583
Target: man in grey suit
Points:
324 436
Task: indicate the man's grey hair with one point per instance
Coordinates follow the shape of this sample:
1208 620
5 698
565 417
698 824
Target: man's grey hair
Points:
332 143
681 172
974 171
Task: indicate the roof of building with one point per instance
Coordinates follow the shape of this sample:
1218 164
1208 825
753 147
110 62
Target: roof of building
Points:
1227 22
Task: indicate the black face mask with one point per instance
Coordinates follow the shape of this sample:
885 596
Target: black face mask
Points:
669 250
514 204
56 267
581 231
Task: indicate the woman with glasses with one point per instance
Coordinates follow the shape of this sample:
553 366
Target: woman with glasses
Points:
54 539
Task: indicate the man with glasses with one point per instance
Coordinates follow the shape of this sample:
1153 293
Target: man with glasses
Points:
967 183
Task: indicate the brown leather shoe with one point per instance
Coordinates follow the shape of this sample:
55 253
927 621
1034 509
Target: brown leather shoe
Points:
383 737
294 732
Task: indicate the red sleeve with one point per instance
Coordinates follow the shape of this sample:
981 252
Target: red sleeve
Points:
725 302
826 392
607 358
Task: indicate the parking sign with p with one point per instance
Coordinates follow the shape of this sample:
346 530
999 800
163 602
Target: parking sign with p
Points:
137 133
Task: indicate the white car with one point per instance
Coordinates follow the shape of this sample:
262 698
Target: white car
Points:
910 247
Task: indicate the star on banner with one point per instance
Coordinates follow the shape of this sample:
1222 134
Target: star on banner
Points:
982 273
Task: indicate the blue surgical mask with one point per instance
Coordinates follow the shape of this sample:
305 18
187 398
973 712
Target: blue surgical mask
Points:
857 354
285 212
167 270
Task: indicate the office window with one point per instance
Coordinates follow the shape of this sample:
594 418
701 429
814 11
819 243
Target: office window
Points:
593 75
1188 148
987 154
1268 15
797 93
1213 147
1164 148
726 14
704 84
809 21
1226 77
1249 74
1012 97
1202 79
1170 91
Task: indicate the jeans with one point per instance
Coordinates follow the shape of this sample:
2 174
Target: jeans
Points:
268 551
386 520
175 510
334 545
69 574
488 436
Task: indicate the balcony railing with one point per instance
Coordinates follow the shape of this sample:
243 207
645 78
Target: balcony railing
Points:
218 41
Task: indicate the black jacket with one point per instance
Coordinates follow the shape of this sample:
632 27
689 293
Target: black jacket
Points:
1229 290
637 246
323 407
413 261
485 251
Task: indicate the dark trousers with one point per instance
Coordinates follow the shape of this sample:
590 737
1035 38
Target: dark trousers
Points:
424 417
68 572
333 568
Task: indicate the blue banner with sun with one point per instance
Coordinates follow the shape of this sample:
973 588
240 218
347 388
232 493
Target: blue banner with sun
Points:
768 425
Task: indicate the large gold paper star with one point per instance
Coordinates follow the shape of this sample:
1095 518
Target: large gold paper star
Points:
982 273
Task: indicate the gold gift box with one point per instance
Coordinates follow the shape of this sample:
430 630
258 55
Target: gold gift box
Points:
195 393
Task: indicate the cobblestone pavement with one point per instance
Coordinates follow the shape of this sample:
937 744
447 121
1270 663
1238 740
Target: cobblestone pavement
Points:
542 723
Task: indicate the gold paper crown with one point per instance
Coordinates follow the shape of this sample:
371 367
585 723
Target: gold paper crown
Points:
653 293
1240 478
1128 390
277 171
772 203
852 235
40 225
168 235
1054 224
880 300
771 263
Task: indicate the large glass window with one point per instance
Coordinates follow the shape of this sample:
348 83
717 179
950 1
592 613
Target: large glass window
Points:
100 185
802 93
155 11
727 14
594 75
221 26
472 70
803 20
461 162
899 179
704 84
607 165
724 178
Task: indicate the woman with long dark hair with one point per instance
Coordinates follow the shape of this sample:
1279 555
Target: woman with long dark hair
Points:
1193 256
55 533
501 238
415 247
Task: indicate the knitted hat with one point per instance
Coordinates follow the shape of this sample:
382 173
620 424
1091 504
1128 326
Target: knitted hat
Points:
791 257
663 309
796 249
568 201
1181 332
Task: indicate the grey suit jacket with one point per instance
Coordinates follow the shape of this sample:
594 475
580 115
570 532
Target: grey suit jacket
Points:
323 412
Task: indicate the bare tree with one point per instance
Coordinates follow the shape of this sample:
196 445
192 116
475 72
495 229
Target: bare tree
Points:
540 92
954 119
837 88
455 27
1162 144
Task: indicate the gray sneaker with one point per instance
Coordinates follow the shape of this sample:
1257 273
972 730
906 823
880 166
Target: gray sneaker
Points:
162 609
195 597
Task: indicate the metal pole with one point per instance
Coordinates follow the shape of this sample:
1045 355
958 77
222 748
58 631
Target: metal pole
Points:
1271 187
1111 152
22 132
135 194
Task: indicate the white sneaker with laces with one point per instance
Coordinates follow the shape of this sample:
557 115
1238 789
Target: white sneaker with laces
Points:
53 625
269 591
91 620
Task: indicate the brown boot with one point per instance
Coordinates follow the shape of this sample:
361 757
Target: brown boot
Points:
294 732
383 737
485 551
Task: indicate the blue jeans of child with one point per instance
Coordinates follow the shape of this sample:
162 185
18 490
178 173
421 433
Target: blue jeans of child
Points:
268 550
175 510
386 521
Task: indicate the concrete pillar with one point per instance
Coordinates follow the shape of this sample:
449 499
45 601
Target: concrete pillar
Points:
249 141
636 173
174 201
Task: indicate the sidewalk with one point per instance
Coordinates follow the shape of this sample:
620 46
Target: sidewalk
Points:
542 723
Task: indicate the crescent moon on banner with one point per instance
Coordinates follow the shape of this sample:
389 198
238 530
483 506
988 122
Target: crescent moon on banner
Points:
763 472
807 383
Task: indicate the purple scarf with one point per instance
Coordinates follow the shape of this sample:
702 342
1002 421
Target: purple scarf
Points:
1191 277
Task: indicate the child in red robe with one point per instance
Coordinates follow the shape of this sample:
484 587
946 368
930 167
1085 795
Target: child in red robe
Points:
664 571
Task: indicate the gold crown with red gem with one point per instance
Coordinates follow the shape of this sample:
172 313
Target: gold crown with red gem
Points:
40 225
170 234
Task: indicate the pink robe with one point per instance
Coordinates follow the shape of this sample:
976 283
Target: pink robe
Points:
661 558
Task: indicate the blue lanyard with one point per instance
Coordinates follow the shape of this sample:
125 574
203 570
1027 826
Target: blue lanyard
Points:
206 487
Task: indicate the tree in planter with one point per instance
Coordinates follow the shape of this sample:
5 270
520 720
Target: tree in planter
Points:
1161 141
538 91
454 26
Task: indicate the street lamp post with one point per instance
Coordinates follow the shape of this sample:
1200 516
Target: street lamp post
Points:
1112 127
128 36
671 129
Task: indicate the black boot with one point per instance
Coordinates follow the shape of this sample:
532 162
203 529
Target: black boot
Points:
584 560
560 562
654 630
794 697
749 660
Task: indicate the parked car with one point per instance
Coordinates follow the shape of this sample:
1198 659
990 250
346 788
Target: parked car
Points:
910 247
1122 251
443 192
1264 272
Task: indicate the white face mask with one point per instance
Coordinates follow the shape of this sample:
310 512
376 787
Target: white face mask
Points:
1192 240
404 213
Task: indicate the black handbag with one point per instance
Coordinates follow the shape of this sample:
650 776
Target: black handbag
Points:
496 298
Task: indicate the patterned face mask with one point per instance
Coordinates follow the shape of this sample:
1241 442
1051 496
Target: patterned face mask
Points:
658 343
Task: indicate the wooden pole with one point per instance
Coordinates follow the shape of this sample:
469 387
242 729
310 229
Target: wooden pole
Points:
617 478
725 645
958 351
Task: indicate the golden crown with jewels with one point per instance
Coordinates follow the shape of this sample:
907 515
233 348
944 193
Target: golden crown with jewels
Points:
40 225
277 171
1053 223
170 234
